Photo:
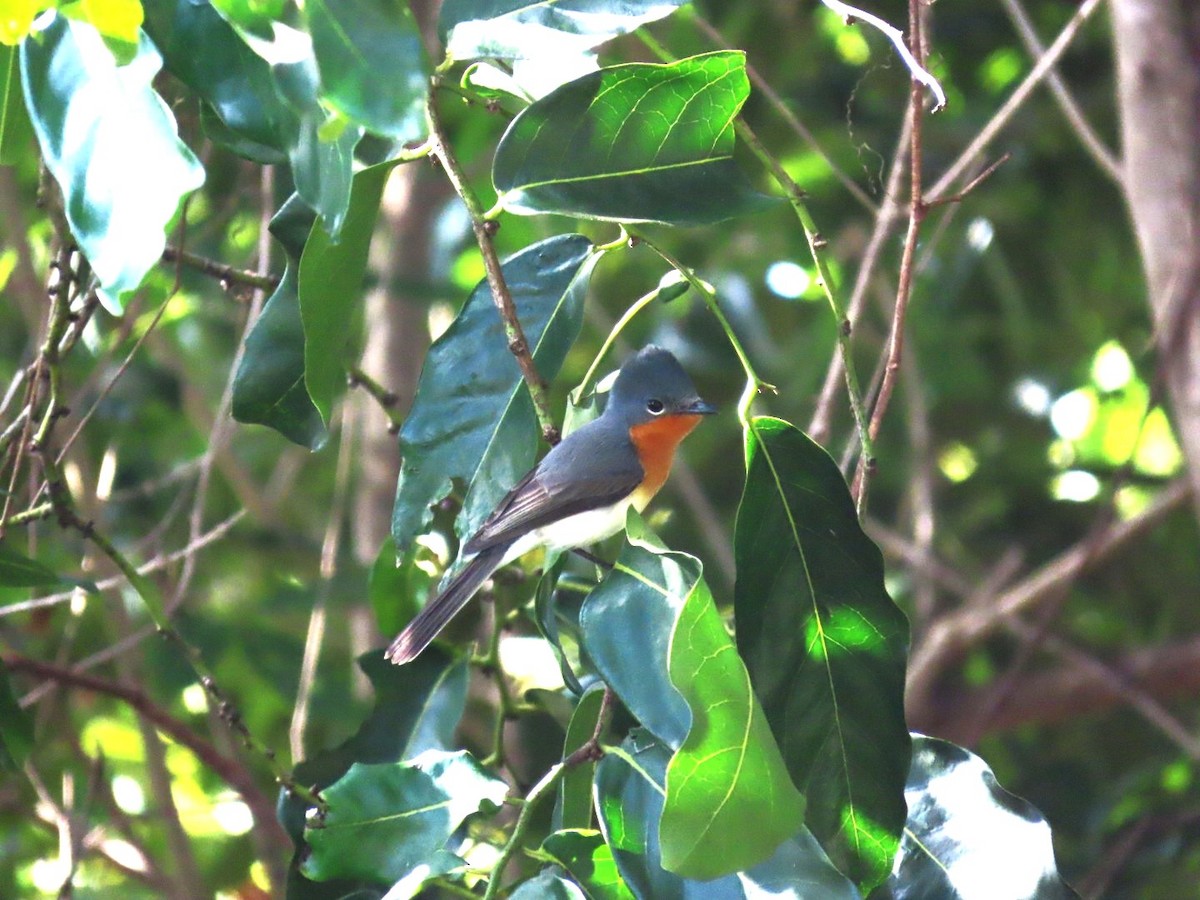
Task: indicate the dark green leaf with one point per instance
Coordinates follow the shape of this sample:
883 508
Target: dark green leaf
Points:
547 614
589 860
122 168
632 143
515 29
16 727
629 798
331 275
269 387
627 623
730 802
385 820
18 570
232 79
372 63
573 806
472 417
548 885
16 131
825 646
397 587
254 17
968 837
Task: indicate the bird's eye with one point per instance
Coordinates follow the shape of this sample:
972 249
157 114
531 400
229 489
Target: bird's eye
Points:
654 406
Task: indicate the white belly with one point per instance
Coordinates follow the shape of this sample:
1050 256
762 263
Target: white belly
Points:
578 530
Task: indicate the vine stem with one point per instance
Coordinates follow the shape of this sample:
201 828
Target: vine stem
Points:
549 781
484 230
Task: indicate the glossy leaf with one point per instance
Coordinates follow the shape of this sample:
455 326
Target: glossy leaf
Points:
16 131
967 836
269 387
730 801
331 287
825 646
627 622
629 799
472 417
573 806
111 143
385 820
417 708
234 81
372 63
516 29
632 143
16 727
589 860
548 885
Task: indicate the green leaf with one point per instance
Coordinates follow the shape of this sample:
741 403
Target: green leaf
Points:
16 727
331 276
627 621
573 806
16 131
118 22
517 29
589 860
269 387
472 417
361 45
385 820
234 81
548 885
122 168
18 570
825 646
730 801
967 836
397 586
629 798
255 17
633 143
16 18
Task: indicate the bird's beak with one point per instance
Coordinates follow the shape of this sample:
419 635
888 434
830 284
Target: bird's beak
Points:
697 407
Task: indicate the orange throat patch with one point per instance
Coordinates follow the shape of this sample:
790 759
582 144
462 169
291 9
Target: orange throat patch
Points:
655 442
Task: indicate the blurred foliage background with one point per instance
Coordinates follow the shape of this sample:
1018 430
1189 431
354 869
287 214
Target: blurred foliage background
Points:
1030 422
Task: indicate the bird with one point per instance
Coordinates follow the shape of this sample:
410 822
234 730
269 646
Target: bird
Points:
581 490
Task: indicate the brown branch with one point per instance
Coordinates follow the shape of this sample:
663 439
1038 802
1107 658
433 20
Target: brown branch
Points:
952 636
229 770
224 273
501 296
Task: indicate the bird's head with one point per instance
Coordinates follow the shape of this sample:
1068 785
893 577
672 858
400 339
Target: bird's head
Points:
653 385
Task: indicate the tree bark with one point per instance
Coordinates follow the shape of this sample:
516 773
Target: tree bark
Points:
1158 93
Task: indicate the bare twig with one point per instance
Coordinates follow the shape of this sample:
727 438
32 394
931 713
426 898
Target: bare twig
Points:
1016 100
501 296
386 399
224 273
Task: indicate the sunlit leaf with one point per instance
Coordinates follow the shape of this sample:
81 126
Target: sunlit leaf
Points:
825 646
111 143
269 387
589 860
16 727
633 143
361 45
16 18
629 798
118 21
967 836
385 820
472 417
515 29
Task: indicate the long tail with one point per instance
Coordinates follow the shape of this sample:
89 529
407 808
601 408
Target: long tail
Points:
445 606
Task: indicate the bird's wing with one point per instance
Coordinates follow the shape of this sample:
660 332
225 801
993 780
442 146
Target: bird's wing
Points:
543 496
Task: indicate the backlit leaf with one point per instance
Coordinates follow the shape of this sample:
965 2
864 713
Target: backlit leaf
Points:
825 646
589 860
111 143
632 143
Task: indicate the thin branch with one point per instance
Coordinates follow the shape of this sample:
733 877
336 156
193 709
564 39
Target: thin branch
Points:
224 273
920 75
386 399
1014 102
501 296
229 770
1104 158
